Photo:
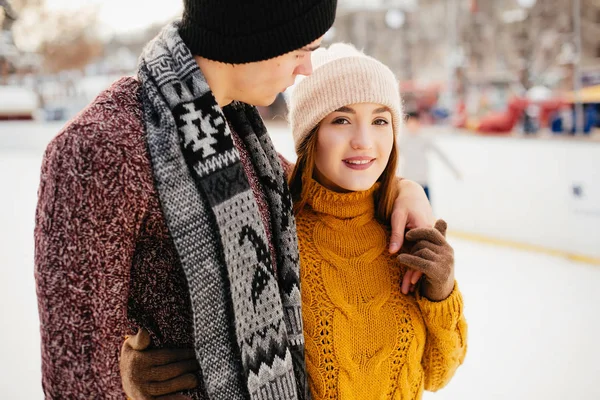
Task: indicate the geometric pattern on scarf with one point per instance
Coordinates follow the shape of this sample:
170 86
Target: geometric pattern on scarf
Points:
247 317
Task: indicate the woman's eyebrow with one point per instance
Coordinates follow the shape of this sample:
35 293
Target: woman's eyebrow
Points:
345 109
381 110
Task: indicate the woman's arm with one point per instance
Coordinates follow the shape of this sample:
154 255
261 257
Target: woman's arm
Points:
446 343
440 302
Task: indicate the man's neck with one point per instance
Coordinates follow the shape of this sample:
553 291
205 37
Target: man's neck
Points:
216 77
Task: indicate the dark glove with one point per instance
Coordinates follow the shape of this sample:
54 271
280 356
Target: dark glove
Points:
434 257
148 374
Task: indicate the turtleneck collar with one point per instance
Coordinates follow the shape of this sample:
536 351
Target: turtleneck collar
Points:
341 205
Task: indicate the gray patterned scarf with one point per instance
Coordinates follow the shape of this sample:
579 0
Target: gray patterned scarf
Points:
247 317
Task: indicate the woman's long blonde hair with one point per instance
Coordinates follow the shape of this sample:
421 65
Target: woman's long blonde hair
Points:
304 169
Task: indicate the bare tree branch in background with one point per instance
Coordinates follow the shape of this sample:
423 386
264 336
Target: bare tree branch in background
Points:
13 8
8 16
65 39
70 42
23 4
45 42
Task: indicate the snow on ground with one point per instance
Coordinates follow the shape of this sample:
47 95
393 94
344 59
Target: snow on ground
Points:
533 319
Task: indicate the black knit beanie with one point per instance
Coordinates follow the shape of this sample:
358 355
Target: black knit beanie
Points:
243 31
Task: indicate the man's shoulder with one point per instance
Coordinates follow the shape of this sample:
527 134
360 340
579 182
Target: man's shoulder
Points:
108 134
113 118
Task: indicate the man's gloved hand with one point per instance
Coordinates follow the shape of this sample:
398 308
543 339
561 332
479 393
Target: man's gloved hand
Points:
156 373
434 257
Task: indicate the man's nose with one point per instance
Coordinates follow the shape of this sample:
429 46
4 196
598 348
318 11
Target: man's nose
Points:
306 67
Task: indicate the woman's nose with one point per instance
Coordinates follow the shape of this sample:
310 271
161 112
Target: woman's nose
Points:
361 140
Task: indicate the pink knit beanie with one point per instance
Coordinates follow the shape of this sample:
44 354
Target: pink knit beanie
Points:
342 75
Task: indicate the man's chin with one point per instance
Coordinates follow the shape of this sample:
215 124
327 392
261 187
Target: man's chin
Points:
263 102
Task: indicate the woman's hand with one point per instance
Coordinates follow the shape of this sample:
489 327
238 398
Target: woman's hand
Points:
432 256
148 374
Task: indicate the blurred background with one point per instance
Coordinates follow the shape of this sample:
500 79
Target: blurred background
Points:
503 128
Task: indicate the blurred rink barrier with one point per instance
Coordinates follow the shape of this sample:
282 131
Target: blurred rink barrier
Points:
17 103
538 194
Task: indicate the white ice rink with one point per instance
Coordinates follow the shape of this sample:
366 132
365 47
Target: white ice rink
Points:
534 320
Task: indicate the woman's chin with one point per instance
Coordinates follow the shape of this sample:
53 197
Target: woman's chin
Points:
357 186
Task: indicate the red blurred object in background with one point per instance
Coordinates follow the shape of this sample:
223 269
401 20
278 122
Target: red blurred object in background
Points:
503 122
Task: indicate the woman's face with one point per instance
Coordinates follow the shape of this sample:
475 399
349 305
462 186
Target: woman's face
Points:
354 144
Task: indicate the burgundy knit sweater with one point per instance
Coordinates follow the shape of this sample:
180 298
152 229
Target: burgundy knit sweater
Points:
104 261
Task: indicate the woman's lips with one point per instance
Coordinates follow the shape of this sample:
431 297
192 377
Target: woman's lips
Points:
359 163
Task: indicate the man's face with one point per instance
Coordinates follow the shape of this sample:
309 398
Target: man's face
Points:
259 83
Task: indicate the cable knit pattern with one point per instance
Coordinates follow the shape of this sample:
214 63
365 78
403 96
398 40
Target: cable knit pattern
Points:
364 338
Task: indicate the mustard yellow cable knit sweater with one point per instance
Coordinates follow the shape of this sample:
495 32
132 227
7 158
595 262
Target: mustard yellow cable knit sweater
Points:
364 338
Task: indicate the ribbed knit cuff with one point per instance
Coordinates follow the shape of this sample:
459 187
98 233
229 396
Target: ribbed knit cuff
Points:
258 45
443 314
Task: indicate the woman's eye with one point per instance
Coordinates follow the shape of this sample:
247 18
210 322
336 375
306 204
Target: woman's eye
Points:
380 121
299 56
340 121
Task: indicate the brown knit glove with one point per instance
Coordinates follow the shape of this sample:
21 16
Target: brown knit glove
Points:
429 253
157 373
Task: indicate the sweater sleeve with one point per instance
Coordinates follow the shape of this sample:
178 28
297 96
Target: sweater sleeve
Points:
89 210
446 342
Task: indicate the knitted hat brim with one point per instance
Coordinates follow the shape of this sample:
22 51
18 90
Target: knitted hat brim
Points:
292 35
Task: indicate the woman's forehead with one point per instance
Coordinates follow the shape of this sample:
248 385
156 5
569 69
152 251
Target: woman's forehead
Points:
363 107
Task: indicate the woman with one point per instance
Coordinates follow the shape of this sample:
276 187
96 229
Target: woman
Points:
365 339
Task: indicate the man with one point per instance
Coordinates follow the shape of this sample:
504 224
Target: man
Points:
163 205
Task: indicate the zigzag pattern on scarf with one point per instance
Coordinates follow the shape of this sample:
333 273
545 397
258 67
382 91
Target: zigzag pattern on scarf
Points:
267 384
216 163
257 311
265 353
246 119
